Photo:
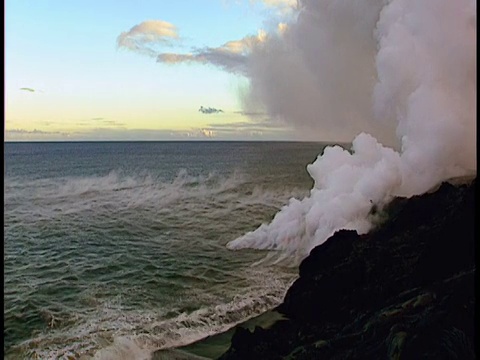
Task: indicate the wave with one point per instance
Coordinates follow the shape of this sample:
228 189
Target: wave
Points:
74 244
114 332
50 198
135 189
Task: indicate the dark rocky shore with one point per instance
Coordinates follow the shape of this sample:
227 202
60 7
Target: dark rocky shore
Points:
403 291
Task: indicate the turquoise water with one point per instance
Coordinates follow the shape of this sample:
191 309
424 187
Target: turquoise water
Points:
117 249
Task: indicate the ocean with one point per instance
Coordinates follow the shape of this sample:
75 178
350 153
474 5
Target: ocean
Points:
116 249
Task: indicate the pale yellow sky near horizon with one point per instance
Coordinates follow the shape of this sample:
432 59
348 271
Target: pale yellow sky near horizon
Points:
67 78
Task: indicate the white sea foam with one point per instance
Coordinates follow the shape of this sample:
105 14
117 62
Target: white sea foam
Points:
211 195
52 197
113 332
88 243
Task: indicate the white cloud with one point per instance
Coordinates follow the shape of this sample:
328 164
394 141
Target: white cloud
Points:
151 32
280 3
231 56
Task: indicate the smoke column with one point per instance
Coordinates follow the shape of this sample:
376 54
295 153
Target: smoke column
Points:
400 71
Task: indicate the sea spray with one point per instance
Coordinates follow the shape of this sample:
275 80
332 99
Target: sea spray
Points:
129 258
117 332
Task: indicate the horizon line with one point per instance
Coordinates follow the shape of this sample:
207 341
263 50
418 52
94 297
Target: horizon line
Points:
153 141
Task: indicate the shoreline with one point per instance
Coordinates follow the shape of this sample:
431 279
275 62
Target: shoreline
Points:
213 346
404 290
219 345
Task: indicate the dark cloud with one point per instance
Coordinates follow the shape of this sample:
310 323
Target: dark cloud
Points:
209 110
225 59
34 132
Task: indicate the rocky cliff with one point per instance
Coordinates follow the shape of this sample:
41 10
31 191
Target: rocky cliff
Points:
403 291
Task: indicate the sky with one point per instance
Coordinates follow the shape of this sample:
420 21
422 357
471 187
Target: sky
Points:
135 70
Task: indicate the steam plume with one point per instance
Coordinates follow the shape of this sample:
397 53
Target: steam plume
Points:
404 71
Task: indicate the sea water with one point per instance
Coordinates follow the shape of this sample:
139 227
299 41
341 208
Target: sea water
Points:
116 249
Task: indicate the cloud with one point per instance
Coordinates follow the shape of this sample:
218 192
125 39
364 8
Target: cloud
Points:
279 7
249 125
100 121
113 123
231 56
280 3
108 122
246 130
23 131
207 133
108 133
31 90
226 60
47 122
29 133
146 37
222 131
143 36
264 129
282 7
209 110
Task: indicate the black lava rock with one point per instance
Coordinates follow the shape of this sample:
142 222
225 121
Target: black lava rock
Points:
403 291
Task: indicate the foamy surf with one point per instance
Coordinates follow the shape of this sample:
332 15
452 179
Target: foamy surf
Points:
114 332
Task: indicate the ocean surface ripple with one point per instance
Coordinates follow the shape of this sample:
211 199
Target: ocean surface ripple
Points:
105 252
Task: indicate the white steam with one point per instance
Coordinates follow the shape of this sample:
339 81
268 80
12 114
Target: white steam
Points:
401 67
